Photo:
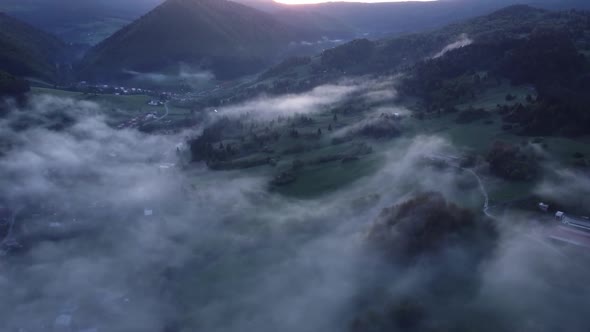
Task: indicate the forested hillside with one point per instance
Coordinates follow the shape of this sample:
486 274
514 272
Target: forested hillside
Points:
27 51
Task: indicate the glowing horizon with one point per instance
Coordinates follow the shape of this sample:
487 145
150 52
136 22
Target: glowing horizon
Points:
304 2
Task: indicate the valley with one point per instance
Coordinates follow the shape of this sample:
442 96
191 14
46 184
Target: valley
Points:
213 167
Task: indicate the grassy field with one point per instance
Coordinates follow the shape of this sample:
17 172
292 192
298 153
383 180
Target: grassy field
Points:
316 179
118 107
313 181
474 138
479 136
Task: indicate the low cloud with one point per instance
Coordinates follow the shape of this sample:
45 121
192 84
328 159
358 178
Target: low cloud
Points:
568 187
112 241
313 101
184 75
321 98
461 42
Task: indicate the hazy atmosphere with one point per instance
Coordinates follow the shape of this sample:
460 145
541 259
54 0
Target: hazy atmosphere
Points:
300 2
209 165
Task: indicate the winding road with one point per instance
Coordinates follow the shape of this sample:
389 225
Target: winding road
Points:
484 192
451 161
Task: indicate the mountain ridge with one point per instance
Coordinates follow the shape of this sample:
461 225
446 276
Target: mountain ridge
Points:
28 51
212 35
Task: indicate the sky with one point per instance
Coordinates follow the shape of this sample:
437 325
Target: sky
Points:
298 2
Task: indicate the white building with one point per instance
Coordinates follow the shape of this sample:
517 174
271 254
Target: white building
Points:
543 207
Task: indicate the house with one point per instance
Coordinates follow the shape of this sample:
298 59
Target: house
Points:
155 103
543 207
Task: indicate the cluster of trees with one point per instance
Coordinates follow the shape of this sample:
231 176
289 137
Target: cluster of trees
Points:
504 26
426 228
513 162
457 76
385 56
550 61
229 139
426 223
202 148
559 109
547 59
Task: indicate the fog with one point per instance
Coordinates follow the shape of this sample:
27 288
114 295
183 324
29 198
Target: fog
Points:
114 239
461 42
321 98
567 187
316 100
184 74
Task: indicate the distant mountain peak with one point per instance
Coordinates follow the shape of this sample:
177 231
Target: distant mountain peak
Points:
225 37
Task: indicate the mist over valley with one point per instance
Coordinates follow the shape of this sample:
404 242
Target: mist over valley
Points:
212 165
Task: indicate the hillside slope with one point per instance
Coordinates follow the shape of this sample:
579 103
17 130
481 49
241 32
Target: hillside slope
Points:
544 53
377 20
227 38
27 51
509 25
79 21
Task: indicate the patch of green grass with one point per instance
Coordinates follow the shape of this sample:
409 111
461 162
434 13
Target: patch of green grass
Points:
502 191
314 181
563 148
